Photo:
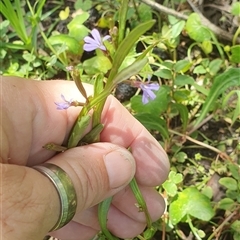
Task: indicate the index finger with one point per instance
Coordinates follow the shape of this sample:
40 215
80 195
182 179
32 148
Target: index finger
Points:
121 128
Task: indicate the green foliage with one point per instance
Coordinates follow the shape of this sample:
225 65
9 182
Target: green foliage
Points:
195 115
190 202
196 30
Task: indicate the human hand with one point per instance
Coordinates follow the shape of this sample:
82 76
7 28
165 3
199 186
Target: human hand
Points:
30 202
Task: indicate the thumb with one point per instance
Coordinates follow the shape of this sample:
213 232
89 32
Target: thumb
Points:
97 171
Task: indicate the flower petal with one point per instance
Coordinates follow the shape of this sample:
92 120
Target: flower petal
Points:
144 99
151 94
89 47
96 35
153 86
89 40
106 38
102 47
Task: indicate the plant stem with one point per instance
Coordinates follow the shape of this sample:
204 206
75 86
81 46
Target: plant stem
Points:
236 36
140 200
193 228
221 154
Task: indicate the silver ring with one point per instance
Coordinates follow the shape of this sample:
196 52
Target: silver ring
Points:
65 190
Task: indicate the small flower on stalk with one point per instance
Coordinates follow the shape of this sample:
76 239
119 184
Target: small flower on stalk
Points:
147 89
94 42
148 93
69 68
64 105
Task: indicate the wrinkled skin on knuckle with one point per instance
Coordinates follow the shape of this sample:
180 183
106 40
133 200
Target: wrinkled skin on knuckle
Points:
21 207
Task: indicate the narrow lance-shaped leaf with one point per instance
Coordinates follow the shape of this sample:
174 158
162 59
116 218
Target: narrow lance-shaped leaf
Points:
122 20
130 71
221 83
126 45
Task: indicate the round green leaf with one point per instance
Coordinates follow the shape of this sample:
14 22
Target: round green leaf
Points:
196 30
98 64
71 43
229 183
191 202
155 107
207 46
170 188
226 203
76 27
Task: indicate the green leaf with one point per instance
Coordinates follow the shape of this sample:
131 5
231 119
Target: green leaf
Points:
97 64
215 66
199 70
236 226
220 84
130 71
140 201
103 208
236 9
152 122
145 12
182 66
227 99
155 107
78 130
235 57
207 46
229 183
4 28
180 95
164 73
183 111
71 43
226 203
175 177
177 28
190 202
207 191
181 157
16 18
76 27
29 57
170 188
126 45
84 5
182 80
196 30
235 171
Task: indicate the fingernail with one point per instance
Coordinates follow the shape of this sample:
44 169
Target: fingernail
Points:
120 167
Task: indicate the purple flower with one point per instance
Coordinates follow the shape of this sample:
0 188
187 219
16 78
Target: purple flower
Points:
95 42
64 105
148 93
147 89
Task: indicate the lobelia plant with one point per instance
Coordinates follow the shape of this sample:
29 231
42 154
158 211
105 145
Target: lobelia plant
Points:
104 84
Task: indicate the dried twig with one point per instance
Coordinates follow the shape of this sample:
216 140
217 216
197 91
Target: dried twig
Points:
216 30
